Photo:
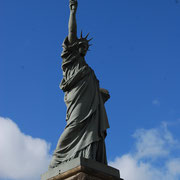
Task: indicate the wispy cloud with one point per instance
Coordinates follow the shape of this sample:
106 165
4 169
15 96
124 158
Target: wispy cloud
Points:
152 158
22 157
172 123
156 102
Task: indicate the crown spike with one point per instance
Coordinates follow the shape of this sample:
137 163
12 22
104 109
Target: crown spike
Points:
89 39
81 34
87 35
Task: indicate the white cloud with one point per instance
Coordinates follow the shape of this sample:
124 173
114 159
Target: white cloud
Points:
22 157
174 166
152 158
133 169
154 143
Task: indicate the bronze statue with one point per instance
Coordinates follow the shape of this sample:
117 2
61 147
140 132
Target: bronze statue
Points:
86 117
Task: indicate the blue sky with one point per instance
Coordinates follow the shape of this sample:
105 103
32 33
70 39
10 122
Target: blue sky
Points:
135 55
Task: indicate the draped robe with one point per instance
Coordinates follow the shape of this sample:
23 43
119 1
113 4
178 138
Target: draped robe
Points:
86 117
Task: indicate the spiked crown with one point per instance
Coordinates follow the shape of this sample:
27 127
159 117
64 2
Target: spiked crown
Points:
84 40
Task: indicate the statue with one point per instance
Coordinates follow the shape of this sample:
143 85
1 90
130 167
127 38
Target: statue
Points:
85 132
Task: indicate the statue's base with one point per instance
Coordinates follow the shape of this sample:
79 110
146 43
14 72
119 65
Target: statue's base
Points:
82 169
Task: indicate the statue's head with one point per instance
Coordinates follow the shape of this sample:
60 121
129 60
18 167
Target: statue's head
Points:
84 45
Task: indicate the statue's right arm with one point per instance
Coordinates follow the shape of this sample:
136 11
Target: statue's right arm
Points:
72 35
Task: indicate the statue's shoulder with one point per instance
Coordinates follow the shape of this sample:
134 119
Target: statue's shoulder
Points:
69 48
66 44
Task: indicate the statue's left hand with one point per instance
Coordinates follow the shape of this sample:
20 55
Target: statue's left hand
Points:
105 94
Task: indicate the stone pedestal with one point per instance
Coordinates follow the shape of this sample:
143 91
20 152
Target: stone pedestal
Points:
82 169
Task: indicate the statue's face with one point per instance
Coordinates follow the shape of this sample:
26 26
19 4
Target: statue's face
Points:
83 49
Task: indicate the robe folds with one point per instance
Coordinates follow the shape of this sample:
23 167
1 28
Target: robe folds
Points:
86 117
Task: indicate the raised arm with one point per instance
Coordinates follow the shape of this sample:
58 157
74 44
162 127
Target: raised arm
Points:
72 35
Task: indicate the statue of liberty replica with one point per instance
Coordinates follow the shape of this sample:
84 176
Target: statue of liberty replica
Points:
85 131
